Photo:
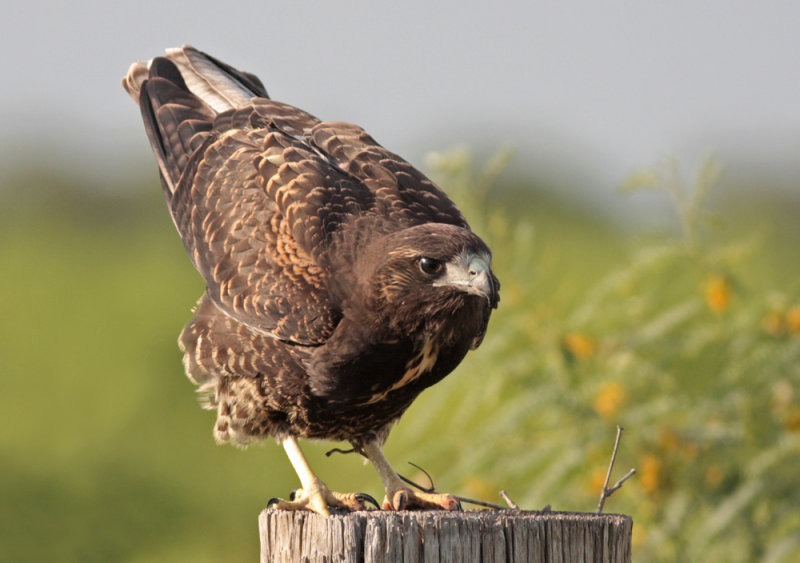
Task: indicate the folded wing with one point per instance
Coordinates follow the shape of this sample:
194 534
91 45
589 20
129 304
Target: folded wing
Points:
263 193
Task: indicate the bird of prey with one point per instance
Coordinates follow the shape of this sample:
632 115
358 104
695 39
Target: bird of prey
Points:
340 281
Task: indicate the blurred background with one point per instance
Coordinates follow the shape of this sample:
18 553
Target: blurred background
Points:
634 166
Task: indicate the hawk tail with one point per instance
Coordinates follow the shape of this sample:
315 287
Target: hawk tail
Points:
180 96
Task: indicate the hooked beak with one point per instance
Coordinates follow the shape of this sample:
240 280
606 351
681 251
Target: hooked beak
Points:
472 275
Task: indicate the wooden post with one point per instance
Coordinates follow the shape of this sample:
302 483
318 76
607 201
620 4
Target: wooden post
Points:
429 536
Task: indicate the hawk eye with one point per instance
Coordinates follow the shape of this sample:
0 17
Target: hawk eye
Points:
430 266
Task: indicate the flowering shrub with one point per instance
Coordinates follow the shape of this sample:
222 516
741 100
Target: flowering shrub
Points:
680 340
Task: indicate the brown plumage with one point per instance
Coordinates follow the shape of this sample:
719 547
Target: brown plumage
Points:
340 282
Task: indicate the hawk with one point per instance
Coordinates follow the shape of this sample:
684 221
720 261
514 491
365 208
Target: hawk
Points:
340 281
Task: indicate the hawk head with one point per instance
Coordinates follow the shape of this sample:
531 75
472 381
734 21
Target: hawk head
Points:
428 278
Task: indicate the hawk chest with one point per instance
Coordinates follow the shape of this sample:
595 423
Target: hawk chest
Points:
422 363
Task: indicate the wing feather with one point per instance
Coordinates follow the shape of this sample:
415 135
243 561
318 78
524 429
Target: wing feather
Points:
256 214
404 195
273 205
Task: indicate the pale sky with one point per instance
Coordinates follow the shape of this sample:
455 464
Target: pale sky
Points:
590 90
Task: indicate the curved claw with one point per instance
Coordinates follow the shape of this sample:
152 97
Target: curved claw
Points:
322 501
364 498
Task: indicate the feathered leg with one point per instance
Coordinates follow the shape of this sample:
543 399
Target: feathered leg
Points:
398 495
314 495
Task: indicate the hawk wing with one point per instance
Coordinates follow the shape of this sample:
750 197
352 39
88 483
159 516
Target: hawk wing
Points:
256 213
259 190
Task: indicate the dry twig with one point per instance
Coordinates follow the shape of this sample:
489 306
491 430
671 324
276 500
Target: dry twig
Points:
606 492
508 500
432 489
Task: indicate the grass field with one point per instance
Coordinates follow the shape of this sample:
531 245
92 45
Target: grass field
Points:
687 335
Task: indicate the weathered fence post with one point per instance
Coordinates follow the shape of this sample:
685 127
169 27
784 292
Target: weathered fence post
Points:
429 536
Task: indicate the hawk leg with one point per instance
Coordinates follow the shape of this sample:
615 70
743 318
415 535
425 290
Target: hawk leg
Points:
314 495
398 495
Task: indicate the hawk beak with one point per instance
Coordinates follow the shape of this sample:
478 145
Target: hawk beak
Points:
476 279
480 280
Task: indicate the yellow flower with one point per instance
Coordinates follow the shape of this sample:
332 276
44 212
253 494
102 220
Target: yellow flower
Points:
714 475
650 473
773 323
596 480
668 440
690 450
609 398
580 346
718 293
793 319
791 419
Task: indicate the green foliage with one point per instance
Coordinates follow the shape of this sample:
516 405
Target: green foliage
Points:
690 342
687 342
